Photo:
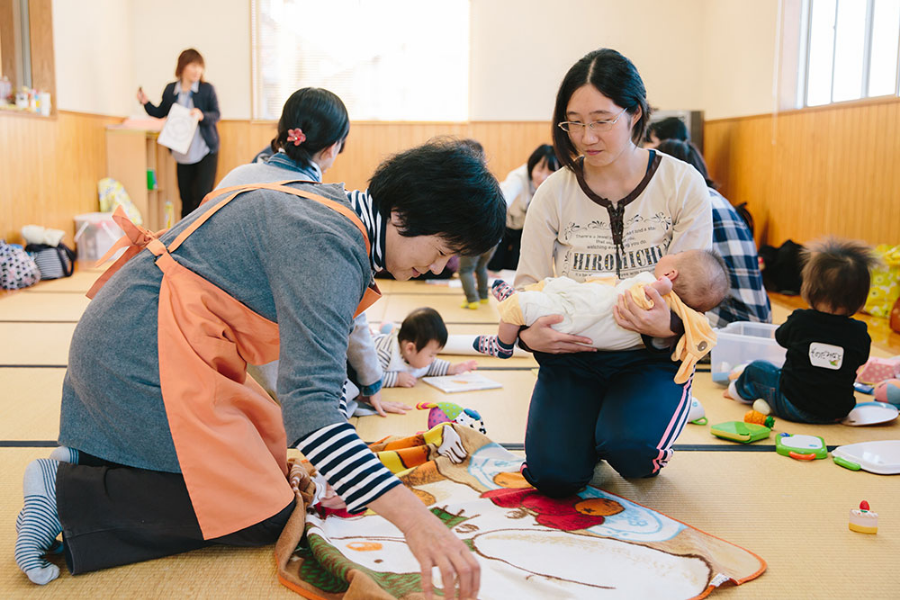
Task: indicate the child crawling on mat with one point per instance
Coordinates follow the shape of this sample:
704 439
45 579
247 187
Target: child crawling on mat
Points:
692 282
825 346
411 352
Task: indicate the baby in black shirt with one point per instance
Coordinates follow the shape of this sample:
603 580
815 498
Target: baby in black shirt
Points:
824 345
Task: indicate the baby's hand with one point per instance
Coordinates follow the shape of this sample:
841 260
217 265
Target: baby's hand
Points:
469 365
404 379
663 285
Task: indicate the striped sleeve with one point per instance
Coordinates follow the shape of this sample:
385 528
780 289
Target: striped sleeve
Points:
348 465
383 348
390 379
438 368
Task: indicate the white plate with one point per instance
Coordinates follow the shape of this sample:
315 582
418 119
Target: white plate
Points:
881 457
871 413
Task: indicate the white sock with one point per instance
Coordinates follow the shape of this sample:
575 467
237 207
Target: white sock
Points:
732 391
38 524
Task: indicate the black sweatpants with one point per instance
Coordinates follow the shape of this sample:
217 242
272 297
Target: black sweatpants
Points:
196 181
115 515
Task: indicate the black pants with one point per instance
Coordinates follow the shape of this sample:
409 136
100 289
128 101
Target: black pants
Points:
115 515
507 254
196 181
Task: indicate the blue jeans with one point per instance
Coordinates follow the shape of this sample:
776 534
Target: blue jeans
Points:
622 407
762 379
472 267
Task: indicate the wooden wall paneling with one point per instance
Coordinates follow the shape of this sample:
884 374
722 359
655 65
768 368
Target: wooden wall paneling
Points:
832 171
43 70
50 172
8 42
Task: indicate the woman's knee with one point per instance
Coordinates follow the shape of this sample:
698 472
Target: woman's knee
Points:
634 459
554 483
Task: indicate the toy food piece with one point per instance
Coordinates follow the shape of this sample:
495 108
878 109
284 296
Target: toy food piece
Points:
863 520
754 416
738 431
801 447
888 391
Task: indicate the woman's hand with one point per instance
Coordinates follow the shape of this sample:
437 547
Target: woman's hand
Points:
385 406
432 543
654 322
541 337
142 97
197 114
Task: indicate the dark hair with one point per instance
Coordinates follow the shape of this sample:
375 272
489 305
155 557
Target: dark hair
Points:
612 75
671 128
687 152
423 326
704 282
543 152
321 115
836 275
470 144
187 57
442 188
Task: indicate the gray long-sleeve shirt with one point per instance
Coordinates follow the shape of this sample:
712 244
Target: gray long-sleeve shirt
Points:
289 259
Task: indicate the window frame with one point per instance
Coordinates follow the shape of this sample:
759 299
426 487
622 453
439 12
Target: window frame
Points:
805 45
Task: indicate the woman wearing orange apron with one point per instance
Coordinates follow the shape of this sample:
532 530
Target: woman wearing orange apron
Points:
168 445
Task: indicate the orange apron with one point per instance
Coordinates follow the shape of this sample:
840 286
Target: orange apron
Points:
228 433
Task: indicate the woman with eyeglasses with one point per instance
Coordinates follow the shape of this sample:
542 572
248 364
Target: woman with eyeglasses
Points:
614 208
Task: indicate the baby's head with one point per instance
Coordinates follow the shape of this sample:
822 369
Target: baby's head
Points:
699 277
422 335
836 276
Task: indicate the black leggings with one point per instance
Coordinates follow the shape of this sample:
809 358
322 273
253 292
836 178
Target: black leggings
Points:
196 181
114 515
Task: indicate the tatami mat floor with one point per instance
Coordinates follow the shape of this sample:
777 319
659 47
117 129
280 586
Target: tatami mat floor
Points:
792 514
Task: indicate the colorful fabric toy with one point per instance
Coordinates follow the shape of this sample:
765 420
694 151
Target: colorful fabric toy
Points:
888 391
447 412
877 370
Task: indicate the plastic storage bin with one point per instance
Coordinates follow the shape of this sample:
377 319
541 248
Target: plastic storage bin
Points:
742 342
95 234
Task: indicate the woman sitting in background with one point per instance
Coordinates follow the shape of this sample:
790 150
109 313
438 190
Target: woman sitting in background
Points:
733 240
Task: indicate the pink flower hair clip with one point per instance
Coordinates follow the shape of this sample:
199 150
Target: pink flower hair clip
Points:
296 136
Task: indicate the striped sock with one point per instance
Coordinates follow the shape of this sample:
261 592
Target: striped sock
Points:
38 524
492 346
65 454
502 290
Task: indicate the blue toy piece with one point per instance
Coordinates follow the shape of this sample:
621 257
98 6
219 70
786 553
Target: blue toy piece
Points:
448 412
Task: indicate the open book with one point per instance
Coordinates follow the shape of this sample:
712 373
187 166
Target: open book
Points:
466 382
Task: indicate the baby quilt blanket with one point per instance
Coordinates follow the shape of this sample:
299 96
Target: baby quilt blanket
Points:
590 545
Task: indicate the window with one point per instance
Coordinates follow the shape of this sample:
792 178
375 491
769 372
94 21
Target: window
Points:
390 60
852 48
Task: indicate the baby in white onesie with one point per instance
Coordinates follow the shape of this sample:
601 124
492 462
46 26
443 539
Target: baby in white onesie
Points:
698 277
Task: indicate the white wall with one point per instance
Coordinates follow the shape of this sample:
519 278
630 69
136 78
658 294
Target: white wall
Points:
738 57
521 49
93 50
715 55
218 29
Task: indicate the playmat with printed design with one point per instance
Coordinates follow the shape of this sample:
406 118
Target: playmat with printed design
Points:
594 544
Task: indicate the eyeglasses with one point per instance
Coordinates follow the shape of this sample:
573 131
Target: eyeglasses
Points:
577 127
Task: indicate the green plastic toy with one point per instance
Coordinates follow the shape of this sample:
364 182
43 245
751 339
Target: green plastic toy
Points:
801 447
738 431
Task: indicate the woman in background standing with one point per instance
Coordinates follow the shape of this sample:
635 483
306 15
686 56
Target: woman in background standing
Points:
197 167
